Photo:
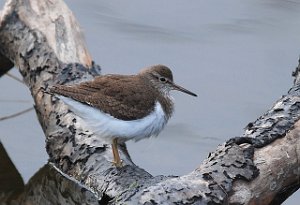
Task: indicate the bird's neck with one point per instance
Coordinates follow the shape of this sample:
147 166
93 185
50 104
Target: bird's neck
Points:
167 104
163 95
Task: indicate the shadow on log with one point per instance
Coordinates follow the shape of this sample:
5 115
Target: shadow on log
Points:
11 181
47 186
259 167
5 65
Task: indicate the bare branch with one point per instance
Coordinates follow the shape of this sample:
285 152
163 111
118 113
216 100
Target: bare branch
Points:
15 78
16 114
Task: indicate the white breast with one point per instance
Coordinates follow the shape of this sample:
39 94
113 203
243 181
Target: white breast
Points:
108 127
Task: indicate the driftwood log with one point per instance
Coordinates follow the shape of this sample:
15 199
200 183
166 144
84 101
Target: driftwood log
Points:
43 40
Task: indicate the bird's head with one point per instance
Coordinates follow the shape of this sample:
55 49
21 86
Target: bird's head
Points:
161 77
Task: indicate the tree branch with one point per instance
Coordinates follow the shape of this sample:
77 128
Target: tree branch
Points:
261 167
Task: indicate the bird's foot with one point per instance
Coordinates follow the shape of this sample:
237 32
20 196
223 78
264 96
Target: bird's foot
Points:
118 164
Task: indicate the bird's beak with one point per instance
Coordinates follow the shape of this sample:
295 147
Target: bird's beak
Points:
179 88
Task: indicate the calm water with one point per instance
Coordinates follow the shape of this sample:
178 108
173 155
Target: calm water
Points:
236 55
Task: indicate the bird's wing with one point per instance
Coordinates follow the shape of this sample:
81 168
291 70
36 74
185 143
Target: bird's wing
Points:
116 95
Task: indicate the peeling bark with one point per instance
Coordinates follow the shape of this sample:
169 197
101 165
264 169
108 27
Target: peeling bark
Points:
43 39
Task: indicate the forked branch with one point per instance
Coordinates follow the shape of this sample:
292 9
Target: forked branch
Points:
43 39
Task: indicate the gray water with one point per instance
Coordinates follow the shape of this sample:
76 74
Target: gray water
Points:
237 56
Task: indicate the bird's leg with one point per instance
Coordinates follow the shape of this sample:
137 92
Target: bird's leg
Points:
117 161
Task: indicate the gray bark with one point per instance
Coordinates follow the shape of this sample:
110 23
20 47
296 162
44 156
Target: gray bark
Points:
43 39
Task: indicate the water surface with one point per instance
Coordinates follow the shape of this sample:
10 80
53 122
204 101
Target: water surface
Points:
237 56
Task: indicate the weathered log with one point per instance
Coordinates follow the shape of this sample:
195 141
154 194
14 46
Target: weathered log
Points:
43 39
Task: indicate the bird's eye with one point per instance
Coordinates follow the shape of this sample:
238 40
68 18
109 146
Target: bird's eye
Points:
161 79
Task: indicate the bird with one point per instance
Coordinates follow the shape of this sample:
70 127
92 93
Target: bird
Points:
118 108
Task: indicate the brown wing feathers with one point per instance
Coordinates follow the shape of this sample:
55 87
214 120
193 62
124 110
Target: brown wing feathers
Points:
116 95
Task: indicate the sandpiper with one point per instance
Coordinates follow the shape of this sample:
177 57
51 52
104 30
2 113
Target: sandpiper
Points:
118 108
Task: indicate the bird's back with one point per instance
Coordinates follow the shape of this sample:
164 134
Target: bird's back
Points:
122 97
